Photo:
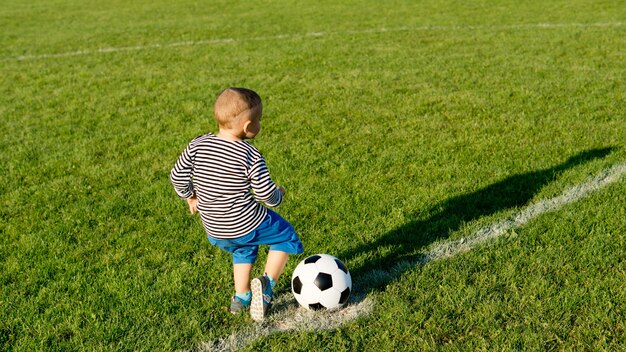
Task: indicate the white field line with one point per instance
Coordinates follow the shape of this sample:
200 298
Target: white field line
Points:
218 41
286 316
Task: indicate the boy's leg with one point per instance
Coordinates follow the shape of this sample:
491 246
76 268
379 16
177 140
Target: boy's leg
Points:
283 240
241 276
262 286
242 298
276 261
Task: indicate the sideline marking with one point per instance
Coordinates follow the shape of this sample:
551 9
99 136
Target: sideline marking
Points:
304 35
288 317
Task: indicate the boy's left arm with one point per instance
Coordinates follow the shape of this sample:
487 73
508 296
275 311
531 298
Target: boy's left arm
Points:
265 190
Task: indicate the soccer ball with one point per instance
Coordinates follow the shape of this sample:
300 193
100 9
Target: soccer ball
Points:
321 281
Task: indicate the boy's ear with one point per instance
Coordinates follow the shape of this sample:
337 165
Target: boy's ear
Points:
246 126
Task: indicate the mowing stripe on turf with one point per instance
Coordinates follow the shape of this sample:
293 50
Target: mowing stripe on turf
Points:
305 35
287 316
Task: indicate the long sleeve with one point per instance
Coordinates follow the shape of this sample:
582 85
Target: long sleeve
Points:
264 188
181 174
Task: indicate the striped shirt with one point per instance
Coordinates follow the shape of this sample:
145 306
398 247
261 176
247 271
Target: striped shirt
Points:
229 178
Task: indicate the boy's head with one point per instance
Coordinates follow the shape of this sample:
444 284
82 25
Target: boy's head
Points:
235 106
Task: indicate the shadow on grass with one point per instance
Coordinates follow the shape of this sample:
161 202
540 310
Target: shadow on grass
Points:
448 217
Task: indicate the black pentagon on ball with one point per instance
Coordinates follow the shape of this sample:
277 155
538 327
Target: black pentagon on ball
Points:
341 266
316 306
296 284
312 259
344 296
323 281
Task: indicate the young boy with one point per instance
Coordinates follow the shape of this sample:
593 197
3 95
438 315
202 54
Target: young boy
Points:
224 179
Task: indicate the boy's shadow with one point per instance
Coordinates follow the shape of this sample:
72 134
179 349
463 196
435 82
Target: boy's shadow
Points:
403 243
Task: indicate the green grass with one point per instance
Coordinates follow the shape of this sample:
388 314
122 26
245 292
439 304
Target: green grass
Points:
386 141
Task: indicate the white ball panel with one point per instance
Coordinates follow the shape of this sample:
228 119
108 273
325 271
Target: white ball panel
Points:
330 298
310 294
301 300
327 264
327 256
341 280
307 273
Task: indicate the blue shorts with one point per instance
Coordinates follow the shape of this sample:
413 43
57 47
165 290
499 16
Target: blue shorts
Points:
273 231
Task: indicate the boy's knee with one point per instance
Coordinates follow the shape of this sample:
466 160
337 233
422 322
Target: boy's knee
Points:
245 255
291 247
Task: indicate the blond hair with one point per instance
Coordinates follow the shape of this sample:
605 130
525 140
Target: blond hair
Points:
231 104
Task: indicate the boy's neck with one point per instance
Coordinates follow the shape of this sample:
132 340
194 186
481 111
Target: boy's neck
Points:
229 136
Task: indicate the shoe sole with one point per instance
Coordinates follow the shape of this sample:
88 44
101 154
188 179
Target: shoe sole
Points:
256 306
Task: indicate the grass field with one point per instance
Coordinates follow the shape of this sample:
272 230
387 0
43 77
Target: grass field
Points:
394 126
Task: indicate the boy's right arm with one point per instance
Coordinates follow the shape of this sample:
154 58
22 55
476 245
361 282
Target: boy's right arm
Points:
193 204
181 174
